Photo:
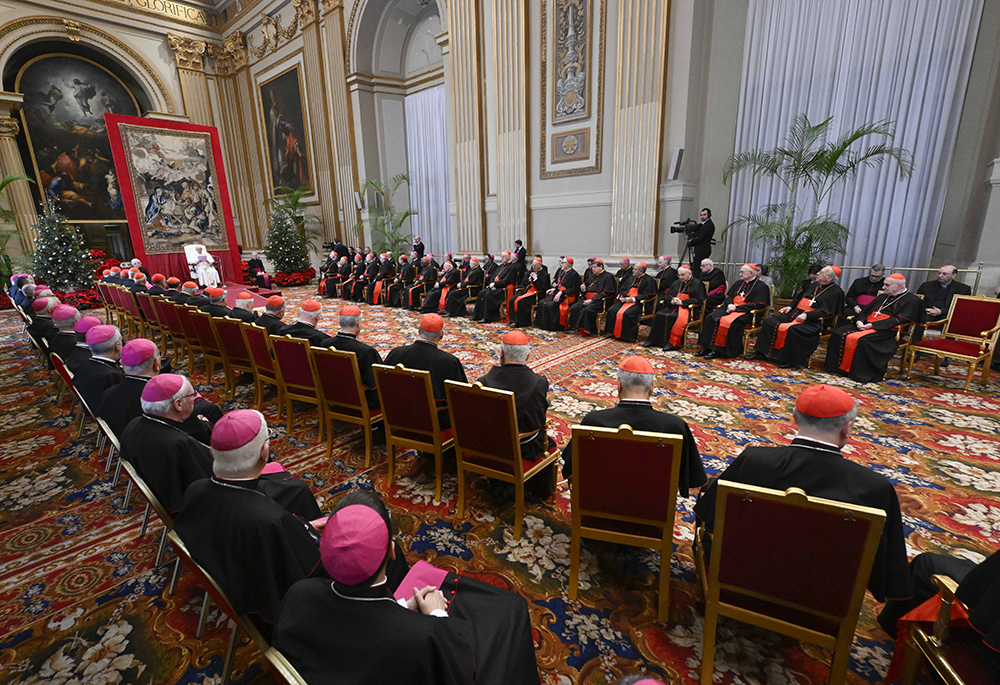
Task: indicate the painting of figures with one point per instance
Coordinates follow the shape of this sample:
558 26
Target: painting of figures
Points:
65 99
175 187
285 127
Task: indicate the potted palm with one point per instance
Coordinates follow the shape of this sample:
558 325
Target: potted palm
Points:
809 165
385 222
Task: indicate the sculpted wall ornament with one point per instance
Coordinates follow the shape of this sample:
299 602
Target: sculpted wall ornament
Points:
305 11
571 40
189 53
274 34
8 127
330 5
72 29
231 56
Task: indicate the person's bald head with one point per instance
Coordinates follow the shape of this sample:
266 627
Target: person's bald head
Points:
895 284
946 274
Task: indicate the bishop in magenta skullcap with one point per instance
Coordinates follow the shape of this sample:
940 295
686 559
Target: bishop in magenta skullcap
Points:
102 333
63 312
354 544
86 323
239 435
137 352
162 387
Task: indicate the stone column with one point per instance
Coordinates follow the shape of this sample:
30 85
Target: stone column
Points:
510 52
18 195
341 120
190 56
467 123
639 85
319 130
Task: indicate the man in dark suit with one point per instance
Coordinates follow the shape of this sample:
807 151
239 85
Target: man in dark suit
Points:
424 354
700 239
216 305
418 248
102 370
939 292
310 312
635 388
346 340
274 311
824 416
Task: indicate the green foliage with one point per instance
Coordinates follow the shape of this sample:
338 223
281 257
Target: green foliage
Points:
286 245
809 162
7 216
61 258
289 203
385 222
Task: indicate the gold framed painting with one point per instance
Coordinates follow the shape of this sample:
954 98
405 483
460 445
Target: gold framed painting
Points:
286 132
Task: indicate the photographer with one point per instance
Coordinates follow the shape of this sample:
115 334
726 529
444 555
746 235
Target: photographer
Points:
700 237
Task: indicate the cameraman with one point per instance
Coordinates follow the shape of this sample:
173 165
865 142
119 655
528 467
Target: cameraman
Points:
700 237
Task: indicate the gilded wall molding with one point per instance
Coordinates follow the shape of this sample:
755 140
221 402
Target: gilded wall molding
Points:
189 52
8 127
326 6
305 12
274 34
19 32
72 29
231 55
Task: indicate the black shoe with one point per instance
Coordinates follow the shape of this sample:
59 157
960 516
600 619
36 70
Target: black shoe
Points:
758 357
669 348
712 355
702 352
648 343
445 314
784 365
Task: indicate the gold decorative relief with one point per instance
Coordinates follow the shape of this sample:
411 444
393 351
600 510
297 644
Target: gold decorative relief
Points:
72 29
189 53
8 127
305 11
571 26
570 146
274 34
231 56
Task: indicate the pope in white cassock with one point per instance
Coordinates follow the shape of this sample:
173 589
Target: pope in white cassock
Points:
203 268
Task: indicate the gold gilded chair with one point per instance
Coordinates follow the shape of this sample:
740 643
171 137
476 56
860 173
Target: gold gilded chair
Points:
342 395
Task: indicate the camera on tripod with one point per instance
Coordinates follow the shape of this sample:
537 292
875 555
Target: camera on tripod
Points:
683 226
328 246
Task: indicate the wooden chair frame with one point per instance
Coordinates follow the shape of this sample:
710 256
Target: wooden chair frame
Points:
150 317
211 349
169 326
152 503
624 434
233 364
336 409
262 374
932 647
840 641
191 341
429 440
509 469
757 323
292 391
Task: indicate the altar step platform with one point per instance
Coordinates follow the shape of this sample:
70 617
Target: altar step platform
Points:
260 295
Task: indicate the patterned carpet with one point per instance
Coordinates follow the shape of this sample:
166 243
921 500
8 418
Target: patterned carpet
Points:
81 601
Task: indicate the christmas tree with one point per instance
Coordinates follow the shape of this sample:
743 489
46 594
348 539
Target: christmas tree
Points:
61 259
286 247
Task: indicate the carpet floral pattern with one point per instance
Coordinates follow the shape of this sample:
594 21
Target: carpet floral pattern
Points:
82 602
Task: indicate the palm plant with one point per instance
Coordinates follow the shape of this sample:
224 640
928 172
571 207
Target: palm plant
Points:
7 216
385 222
808 163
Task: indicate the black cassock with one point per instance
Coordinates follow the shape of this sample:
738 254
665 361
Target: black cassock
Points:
715 291
411 296
693 292
554 316
334 634
426 356
533 287
360 286
584 312
752 293
865 358
454 305
123 402
864 289
256 268
406 273
366 354
65 345
445 282
495 294
270 323
664 280
357 271
821 471
386 272
623 317
642 416
787 341
93 377
300 329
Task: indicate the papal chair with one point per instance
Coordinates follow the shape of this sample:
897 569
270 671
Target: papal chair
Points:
968 334
264 370
624 490
790 563
491 446
410 415
342 395
296 376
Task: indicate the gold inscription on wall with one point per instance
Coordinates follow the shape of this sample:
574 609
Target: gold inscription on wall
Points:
177 10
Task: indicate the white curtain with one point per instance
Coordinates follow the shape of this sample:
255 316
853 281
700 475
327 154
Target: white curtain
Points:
427 156
859 61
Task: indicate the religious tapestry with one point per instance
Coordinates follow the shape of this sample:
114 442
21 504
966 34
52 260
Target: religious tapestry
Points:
65 100
285 131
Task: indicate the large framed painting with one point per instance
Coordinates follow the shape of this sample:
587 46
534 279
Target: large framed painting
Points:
65 100
285 128
174 188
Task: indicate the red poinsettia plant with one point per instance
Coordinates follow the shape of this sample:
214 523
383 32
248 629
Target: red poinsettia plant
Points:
302 277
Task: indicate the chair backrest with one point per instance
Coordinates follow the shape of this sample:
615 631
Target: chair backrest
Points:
146 305
129 303
204 579
407 401
102 290
970 316
625 475
109 433
291 357
168 316
808 557
259 347
282 669
339 379
230 334
497 448
60 366
160 510
187 323
206 333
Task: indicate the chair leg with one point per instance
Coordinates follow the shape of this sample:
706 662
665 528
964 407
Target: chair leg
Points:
258 392
911 661
368 443
163 546
83 418
390 451
288 420
173 577
227 667
128 494
111 455
664 597
969 374
145 520
118 472
321 425
910 354
438 467
203 616
574 566
708 644
518 509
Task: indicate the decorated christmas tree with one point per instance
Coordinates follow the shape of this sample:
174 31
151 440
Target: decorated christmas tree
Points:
286 247
61 259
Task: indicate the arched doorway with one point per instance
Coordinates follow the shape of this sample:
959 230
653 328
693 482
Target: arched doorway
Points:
398 93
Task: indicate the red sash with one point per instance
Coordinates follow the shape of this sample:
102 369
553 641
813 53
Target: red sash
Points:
865 300
925 613
322 286
409 293
851 342
683 316
527 293
378 291
564 309
725 322
444 296
779 339
716 291
621 312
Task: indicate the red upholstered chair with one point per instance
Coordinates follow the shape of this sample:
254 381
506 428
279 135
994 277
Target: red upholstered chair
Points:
64 378
410 416
191 341
150 321
296 375
104 291
495 453
170 326
342 395
264 370
235 354
968 334
628 501
793 564
152 503
211 349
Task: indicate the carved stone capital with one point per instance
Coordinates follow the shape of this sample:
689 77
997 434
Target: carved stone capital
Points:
8 127
72 29
326 6
189 52
305 11
231 56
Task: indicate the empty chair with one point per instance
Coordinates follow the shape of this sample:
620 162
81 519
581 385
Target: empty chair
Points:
296 375
342 395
